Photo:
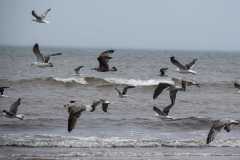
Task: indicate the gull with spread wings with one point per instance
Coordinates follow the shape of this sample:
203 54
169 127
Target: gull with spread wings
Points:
103 60
187 68
123 93
217 126
40 18
12 113
42 60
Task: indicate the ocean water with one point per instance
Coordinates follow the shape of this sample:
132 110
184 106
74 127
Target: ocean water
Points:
130 129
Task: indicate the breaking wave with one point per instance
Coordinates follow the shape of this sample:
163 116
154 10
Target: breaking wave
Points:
108 142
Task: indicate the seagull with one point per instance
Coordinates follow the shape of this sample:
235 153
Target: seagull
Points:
75 111
42 60
217 127
103 60
163 112
40 18
104 103
77 69
2 90
12 113
123 93
163 72
184 68
173 89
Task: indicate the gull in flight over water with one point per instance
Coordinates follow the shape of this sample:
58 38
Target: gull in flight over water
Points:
75 110
163 72
217 126
40 18
77 69
12 113
123 93
187 68
103 60
42 60
172 87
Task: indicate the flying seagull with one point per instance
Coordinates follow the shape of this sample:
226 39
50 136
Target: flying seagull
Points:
75 111
103 60
124 91
104 103
12 113
2 90
42 60
173 89
217 127
163 71
163 112
184 68
77 69
40 18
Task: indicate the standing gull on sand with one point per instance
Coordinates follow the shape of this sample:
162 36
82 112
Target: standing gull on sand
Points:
40 18
12 113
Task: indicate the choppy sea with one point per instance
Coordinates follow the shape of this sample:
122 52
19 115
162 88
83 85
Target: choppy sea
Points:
130 129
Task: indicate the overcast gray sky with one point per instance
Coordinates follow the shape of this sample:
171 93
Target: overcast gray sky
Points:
153 24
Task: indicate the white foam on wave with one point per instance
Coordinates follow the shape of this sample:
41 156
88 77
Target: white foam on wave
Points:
78 142
80 80
138 82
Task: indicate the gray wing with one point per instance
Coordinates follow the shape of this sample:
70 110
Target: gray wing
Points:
167 109
37 53
173 94
159 89
177 63
77 69
216 127
14 107
74 114
211 135
190 65
34 14
110 51
94 105
44 15
47 57
158 111
125 89
119 92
